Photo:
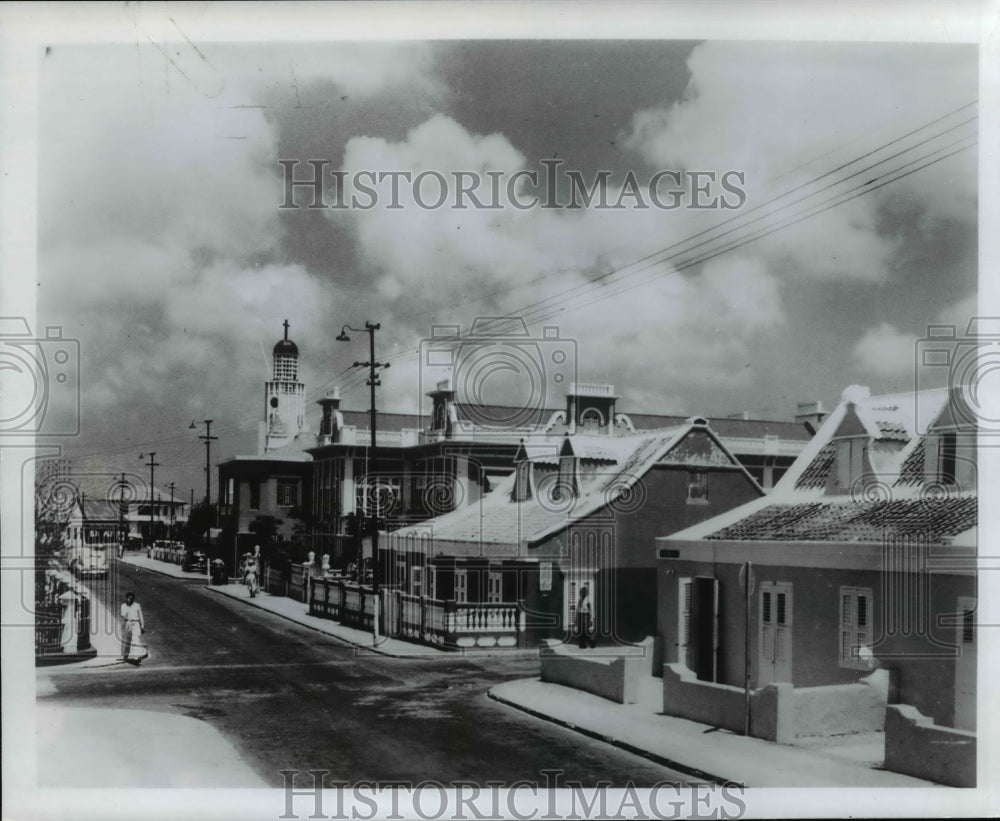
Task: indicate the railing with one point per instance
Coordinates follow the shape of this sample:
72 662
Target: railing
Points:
276 581
484 624
326 598
763 445
62 617
417 618
48 628
172 555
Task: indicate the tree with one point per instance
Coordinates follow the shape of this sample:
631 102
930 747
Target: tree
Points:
200 520
55 499
265 528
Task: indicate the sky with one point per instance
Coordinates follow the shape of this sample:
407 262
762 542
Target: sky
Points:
163 247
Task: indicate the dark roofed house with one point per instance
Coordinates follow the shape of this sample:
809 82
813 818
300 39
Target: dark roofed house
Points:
580 509
862 557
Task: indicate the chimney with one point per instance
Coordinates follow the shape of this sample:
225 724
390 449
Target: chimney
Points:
590 408
810 414
331 419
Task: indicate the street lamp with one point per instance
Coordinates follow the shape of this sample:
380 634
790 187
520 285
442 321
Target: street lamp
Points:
373 382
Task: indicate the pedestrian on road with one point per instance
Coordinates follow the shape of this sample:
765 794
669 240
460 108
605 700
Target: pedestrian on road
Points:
585 619
250 575
134 649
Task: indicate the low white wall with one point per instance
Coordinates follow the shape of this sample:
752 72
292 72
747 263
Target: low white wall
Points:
840 709
915 745
604 671
722 705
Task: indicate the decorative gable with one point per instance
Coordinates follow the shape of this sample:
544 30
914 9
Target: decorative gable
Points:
697 448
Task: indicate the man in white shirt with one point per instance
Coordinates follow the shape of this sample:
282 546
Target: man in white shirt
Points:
133 626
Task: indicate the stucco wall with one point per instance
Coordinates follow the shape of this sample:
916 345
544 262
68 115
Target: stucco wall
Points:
840 709
601 671
722 705
914 745
922 659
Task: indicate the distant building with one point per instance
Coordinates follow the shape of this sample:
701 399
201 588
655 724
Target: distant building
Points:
284 419
416 474
276 481
106 510
333 484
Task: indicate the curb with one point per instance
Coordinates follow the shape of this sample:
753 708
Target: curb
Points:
59 659
191 578
615 742
312 627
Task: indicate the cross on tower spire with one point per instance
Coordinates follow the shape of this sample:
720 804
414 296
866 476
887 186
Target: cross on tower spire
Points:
285 323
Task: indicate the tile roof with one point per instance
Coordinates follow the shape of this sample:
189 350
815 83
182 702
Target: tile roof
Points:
818 469
937 520
497 519
891 499
100 510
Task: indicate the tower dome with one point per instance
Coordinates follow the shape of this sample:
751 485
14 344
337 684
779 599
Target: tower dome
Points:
285 347
284 398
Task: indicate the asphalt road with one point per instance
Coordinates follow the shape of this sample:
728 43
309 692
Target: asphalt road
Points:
288 698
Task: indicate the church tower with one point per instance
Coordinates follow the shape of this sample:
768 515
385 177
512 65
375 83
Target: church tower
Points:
284 398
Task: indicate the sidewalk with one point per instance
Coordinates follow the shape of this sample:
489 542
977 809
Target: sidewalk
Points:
112 747
298 612
698 749
163 568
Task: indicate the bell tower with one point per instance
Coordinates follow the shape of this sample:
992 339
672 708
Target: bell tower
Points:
284 397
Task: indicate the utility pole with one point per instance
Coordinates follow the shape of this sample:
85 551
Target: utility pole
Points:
121 512
152 465
173 512
207 439
373 382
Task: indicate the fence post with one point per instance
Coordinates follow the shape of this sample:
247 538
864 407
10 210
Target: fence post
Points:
423 616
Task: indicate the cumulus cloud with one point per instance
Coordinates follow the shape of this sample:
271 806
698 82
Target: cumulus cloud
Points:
885 351
160 240
787 112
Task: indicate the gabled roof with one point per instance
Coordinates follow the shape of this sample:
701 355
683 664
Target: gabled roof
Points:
893 504
99 510
107 487
608 469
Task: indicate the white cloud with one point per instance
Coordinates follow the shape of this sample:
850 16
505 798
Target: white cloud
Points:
784 113
884 351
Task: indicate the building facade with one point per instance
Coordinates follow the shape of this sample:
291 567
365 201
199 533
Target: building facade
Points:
863 557
580 510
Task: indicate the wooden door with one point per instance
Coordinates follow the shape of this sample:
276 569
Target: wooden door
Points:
774 658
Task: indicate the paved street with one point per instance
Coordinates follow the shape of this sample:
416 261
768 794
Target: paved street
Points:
287 697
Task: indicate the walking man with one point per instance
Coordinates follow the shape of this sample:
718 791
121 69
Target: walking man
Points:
585 619
133 648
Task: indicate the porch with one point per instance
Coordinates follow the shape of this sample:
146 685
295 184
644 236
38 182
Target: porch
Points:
443 623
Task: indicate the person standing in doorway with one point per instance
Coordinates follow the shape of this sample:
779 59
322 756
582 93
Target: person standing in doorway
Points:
585 619
133 648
